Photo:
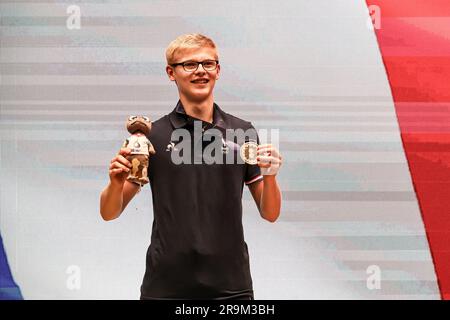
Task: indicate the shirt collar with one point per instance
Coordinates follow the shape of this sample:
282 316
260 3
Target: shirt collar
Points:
179 118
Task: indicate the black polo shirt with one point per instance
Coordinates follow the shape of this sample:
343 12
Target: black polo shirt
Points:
197 248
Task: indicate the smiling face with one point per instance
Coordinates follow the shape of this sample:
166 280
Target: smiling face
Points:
196 86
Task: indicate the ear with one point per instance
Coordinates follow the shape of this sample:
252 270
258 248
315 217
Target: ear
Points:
218 72
170 71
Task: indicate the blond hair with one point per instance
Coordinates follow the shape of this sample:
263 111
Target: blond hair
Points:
188 41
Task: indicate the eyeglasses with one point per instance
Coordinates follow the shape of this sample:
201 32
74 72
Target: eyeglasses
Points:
191 66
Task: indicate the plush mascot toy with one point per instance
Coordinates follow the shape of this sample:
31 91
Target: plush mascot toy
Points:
141 148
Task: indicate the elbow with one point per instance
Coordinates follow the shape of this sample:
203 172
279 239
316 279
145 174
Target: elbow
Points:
105 217
108 216
270 212
271 217
107 213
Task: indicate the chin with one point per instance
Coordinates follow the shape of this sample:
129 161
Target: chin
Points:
199 95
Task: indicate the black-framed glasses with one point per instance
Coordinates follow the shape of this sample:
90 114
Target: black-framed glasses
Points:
191 66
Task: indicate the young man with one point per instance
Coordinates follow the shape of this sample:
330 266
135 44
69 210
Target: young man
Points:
197 248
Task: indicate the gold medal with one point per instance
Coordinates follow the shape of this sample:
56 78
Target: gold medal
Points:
249 152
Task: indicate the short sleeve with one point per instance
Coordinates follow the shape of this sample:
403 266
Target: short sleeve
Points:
252 171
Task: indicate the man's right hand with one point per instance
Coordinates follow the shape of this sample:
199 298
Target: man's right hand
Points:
120 167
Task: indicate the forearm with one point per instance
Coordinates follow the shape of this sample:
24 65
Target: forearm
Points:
270 203
111 201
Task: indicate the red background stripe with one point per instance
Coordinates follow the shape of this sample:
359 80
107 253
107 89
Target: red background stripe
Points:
414 40
413 8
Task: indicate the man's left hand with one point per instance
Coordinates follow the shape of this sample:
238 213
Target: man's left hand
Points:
269 159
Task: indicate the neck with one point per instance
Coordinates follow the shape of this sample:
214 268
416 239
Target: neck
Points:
202 110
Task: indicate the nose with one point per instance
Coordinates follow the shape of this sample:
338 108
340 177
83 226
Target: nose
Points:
200 65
